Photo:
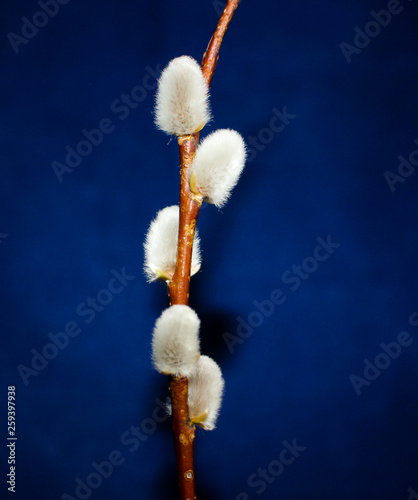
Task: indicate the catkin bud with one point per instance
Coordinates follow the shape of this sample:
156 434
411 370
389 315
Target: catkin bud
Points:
161 246
206 387
182 101
175 341
217 166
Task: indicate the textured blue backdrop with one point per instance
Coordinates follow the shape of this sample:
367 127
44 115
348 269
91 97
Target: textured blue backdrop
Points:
291 325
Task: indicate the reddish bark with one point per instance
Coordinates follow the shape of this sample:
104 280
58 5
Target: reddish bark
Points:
210 57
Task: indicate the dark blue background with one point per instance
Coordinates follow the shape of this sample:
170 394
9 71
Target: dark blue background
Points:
323 174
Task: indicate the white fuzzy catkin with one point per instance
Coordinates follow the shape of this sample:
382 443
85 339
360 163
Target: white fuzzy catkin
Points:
206 387
218 164
175 341
161 246
182 100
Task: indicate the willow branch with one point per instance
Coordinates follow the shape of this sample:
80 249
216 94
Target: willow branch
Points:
184 434
183 429
189 211
210 57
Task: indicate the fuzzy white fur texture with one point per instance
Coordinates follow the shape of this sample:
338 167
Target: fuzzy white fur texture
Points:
160 246
175 341
182 100
218 164
206 387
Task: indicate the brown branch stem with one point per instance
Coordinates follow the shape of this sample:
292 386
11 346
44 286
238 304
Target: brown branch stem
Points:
184 434
189 211
210 57
183 429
